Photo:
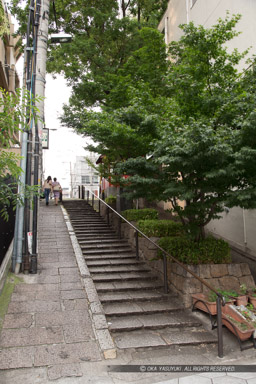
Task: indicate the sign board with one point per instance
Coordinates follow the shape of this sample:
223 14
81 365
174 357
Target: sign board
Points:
30 239
45 138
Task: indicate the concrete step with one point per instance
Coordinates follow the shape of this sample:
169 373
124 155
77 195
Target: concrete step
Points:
106 246
115 252
178 319
119 269
139 313
113 262
103 241
152 307
163 338
134 296
111 256
121 286
132 276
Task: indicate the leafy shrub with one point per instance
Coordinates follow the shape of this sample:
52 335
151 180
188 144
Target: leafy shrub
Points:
207 251
140 214
110 199
160 228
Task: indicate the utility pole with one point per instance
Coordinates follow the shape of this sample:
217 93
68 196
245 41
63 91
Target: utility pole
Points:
40 80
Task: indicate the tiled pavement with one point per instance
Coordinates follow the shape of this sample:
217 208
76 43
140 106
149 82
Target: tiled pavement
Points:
55 328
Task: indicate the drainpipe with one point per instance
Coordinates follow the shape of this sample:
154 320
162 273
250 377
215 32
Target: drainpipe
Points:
19 220
244 223
187 10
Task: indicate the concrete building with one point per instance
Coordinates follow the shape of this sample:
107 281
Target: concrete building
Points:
237 226
84 174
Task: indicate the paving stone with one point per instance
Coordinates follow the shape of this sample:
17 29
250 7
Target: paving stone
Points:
104 339
70 278
76 304
69 271
33 306
74 294
16 357
66 353
99 321
92 295
26 296
30 336
48 319
20 288
48 279
74 334
54 271
18 320
139 339
47 295
70 286
66 370
96 308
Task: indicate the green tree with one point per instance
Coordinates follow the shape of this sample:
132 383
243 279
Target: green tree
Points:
127 126
12 115
204 153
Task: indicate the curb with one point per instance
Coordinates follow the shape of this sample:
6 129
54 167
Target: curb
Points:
97 314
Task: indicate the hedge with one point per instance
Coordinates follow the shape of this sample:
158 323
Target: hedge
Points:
207 251
140 214
160 228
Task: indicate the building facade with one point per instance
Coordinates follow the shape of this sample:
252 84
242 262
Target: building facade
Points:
84 174
236 225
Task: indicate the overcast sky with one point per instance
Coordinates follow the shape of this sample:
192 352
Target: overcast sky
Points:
64 144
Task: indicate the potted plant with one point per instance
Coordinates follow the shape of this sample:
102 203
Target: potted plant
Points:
242 298
207 302
236 322
252 296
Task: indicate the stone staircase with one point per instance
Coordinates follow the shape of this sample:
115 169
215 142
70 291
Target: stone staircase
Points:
138 313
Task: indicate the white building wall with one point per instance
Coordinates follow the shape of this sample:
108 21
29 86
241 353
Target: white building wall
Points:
236 225
81 171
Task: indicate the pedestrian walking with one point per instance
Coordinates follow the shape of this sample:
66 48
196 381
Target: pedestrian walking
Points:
47 187
56 190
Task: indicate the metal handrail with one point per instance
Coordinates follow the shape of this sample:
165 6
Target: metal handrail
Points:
220 298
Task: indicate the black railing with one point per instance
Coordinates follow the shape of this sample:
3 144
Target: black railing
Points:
220 301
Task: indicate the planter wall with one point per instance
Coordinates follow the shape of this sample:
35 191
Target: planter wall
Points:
220 276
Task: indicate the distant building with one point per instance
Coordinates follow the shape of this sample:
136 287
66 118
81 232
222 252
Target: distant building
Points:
237 226
84 174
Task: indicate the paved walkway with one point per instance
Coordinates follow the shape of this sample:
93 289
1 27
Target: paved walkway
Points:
55 329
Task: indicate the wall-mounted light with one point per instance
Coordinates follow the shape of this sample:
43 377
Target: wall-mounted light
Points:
60 38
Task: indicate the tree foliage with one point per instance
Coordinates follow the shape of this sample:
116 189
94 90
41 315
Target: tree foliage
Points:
206 149
12 115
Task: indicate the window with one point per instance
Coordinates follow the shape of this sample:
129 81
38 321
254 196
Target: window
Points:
95 179
85 179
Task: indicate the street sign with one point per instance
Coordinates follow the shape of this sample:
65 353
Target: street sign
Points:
45 138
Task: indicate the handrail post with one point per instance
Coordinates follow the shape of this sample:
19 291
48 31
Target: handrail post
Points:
119 228
99 206
79 192
137 244
108 215
88 196
219 329
83 192
93 201
165 274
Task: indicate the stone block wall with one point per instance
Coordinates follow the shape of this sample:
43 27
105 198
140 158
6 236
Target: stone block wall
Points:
219 276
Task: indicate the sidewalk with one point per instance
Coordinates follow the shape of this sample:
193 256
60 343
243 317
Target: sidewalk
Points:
55 328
